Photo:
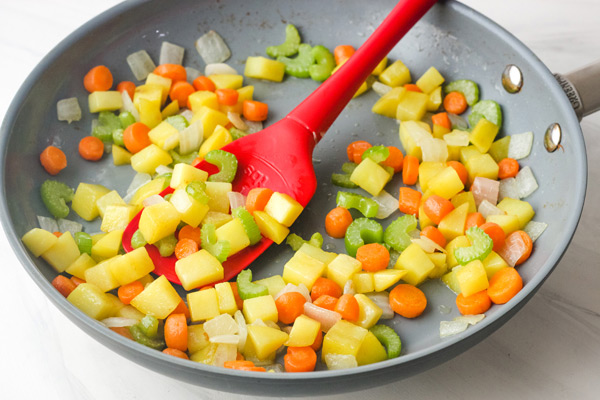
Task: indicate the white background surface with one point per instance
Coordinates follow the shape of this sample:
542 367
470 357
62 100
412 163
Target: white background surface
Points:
550 349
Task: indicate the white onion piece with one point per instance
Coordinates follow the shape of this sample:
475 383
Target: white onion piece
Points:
212 48
237 120
382 300
449 328
388 204
141 64
520 145
171 142
66 225
470 319
225 339
242 330
290 287
416 132
512 249
534 229
458 122
191 75
428 245
485 189
119 322
68 110
163 169
275 368
191 137
304 292
139 180
381 88
152 200
253 126
349 287
508 188
222 325
340 361
223 353
236 199
47 224
434 150
526 182
218 69
187 114
486 209
128 105
457 138
171 54
326 317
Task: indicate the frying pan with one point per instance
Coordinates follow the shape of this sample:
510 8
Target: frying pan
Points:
455 39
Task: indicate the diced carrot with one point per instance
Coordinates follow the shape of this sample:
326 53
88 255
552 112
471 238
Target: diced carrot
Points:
91 148
204 83
410 170
433 233
127 292
437 207
180 91
257 199
290 306
411 87
98 79
255 110
356 149
504 285
53 160
441 119
495 232
518 242
460 169
64 285
347 306
474 219
176 332
190 232
477 303
407 300
182 308
409 200
185 247
342 52
135 137
176 353
508 168
174 72
455 103
395 159
243 365
77 281
326 301
300 359
337 222
373 257
318 341
126 86
324 286
227 97
57 234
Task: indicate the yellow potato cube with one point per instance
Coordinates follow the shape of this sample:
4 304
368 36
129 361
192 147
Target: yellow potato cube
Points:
38 241
91 301
209 119
198 269
150 157
427 171
203 98
368 312
450 280
150 114
149 93
370 176
109 199
388 103
264 68
226 298
171 109
132 266
234 232
520 208
483 165
380 67
219 138
453 224
371 351
302 268
206 355
493 263
435 99
460 241
218 195
412 106
190 210
396 74
159 298
105 101
100 275
483 134
266 340
62 253
269 227
439 260
262 307
363 282
415 261
342 268
197 338
117 217
411 134
430 80
274 283
216 218
446 183
464 197
164 84
165 136
84 200
153 187
472 278
343 338
304 332
315 252
283 208
227 81
203 304
386 278
466 153
184 174
107 246
508 223
80 265
158 221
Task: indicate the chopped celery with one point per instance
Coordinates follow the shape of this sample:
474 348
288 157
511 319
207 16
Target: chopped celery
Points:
248 289
110 120
396 234
138 335
324 63
149 326
368 207
249 224
226 162
126 118
218 248
360 232
296 241
117 137
349 167
237 133
179 158
467 87
343 180
388 338
55 196
138 240
488 109
166 245
198 191
167 176
289 47
84 242
481 247
103 133
377 153
178 122
299 65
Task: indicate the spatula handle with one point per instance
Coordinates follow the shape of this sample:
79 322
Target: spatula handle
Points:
318 112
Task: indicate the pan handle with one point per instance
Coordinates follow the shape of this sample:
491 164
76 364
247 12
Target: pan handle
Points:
582 87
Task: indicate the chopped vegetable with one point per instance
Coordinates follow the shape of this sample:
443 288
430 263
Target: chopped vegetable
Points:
389 338
299 66
407 300
324 63
248 289
361 231
296 241
488 109
141 64
397 235
289 47
212 48
68 110
55 196
468 88
53 160
368 207
481 246
218 248
226 162
520 145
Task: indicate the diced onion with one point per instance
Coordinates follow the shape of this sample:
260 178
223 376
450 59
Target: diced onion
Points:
187 114
508 188
349 287
212 48
66 225
171 54
304 291
526 182
236 199
428 245
225 339
520 145
290 287
449 328
486 209
457 138
326 317
253 126
534 229
382 300
242 330
470 319
119 322
223 325
163 169
128 105
340 361
485 189
458 122
434 150
191 137
47 224
381 88
141 64
388 204
139 180
237 121
152 200
191 75
218 69
68 110
223 353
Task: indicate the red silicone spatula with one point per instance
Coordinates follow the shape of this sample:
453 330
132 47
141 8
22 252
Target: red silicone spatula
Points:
280 156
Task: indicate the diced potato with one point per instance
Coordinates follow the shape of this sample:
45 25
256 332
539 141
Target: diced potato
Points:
363 282
483 134
203 98
493 263
450 280
203 304
197 338
371 351
499 149
483 165
466 153
210 119
302 268
441 267
165 136
460 241
342 268
108 246
219 138
315 252
150 114
38 241
453 224
184 174
159 298
388 103
153 187
269 227
63 252
218 194
464 197
430 80
343 338
158 221
84 200
149 93
190 210
198 269
171 109
266 340
283 208
206 355
117 217
100 275
91 301
415 261
508 223
472 278
412 106
150 157
435 99
110 100
132 266
227 81
274 283
234 232
369 312
520 208
411 134
446 183
158 80
262 307
109 199
380 67
386 278
225 298
370 176
396 74
216 218
304 332
427 171
80 265
264 68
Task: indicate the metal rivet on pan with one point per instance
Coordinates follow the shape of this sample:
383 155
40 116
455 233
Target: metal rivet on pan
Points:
512 78
552 137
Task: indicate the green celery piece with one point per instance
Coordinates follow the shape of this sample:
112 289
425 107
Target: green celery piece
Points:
103 133
289 47
167 176
55 196
226 162
296 241
110 120
248 289
362 231
138 240
149 326
299 65
316 240
467 87
84 242
237 133
138 335
368 207
343 180
499 149
376 153
185 159
249 224
349 167
481 247
388 338
488 109
126 118
178 122
325 63
166 245
218 248
197 190
396 234
117 137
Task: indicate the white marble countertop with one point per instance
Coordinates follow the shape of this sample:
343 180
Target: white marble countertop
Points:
549 350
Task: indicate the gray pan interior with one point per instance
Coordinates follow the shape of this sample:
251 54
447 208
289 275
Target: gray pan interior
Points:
453 38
